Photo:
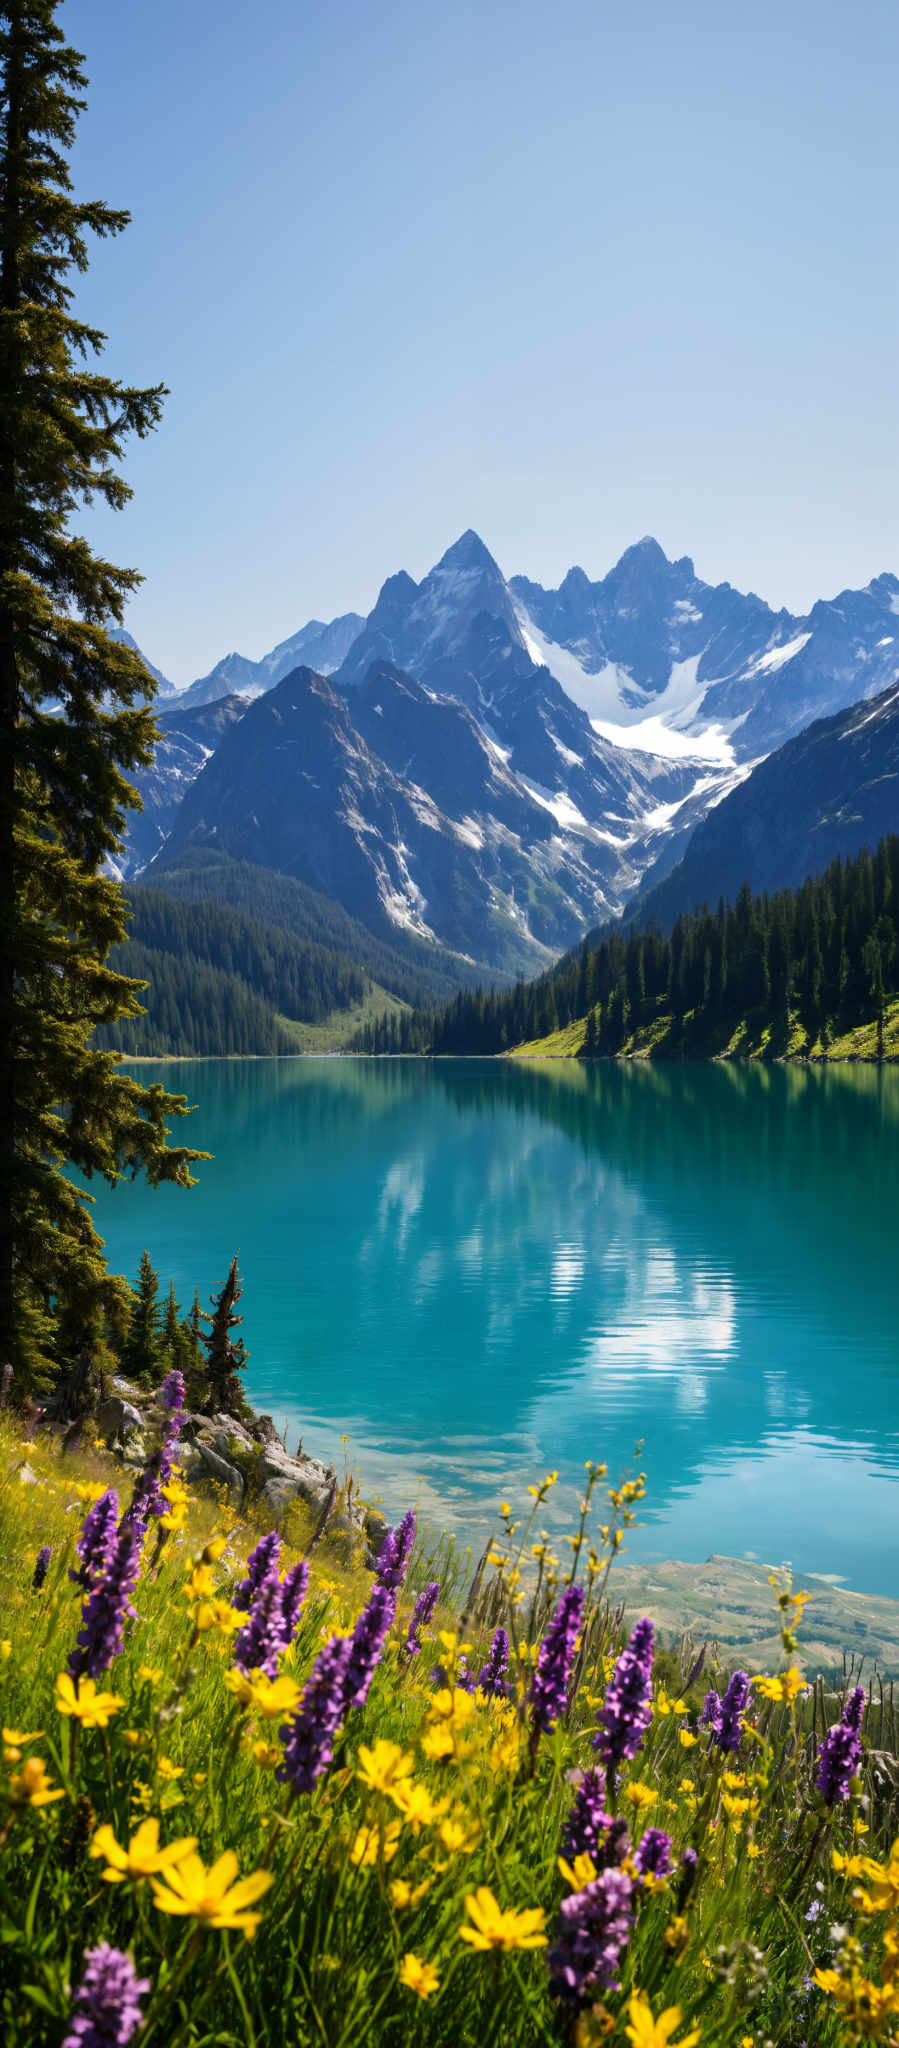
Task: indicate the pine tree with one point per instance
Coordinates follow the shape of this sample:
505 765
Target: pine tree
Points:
73 721
225 1360
142 1351
173 1344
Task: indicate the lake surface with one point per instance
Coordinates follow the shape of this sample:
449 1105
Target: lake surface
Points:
479 1271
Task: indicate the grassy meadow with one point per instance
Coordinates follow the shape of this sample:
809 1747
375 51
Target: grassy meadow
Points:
464 1865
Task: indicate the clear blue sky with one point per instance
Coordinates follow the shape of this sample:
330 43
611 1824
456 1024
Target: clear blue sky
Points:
566 273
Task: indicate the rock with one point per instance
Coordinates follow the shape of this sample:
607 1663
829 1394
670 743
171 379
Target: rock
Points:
375 1526
116 1417
264 1430
228 1426
202 1457
135 1450
126 1389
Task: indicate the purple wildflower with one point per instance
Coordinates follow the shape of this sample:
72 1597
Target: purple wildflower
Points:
493 1677
172 1392
41 1567
652 1855
587 1819
549 1686
392 1561
106 2006
733 1706
367 1645
293 1593
106 1605
260 1564
689 1864
840 1753
711 1712
96 1542
309 1736
260 1642
594 1927
421 1615
627 1712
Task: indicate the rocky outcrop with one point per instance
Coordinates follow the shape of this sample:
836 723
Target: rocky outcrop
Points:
250 1462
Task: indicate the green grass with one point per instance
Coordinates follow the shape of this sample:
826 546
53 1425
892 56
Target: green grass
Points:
371 1874
338 1031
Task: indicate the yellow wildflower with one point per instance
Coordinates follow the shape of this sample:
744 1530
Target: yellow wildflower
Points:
271 1697
267 1754
645 2032
663 1705
372 1843
217 1614
418 1976
784 1687
458 1835
640 1795
579 1873
143 1856
31 1786
686 1738
735 1807
677 1935
385 1765
166 1769
94 1709
492 1928
212 1895
402 1893
416 1805
5 1650
149 1674
437 1744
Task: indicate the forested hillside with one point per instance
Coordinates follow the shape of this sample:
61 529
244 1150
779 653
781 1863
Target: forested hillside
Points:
785 973
221 982
408 966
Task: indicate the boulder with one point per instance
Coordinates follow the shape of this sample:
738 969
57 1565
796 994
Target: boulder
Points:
203 1458
116 1418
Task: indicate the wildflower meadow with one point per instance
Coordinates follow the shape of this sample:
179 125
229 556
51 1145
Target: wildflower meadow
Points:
253 1796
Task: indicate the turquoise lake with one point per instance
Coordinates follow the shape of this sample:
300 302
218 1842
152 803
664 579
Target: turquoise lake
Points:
479 1271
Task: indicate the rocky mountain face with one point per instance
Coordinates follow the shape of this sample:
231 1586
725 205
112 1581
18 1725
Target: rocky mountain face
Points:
189 738
833 790
651 641
322 647
399 804
494 765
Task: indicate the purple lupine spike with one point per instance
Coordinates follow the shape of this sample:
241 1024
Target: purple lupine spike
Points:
465 1677
172 1393
711 1712
261 1640
308 1737
367 1644
549 1685
106 1604
587 1819
41 1567
293 1593
392 1561
627 1711
840 1754
493 1677
593 1928
147 1499
652 1855
733 1706
106 2009
96 1542
421 1615
260 1563
689 1865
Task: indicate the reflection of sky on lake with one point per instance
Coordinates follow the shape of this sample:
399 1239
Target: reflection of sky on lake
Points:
479 1271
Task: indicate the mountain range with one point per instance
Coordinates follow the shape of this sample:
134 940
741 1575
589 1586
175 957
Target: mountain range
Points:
492 765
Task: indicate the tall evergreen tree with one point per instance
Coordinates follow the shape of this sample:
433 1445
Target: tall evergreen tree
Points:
74 721
225 1359
142 1351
